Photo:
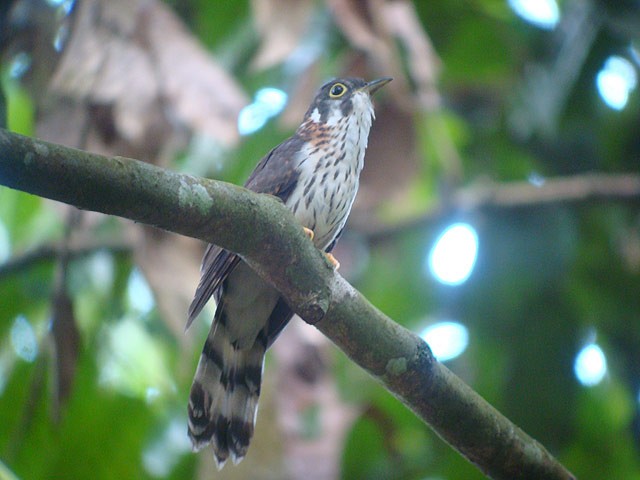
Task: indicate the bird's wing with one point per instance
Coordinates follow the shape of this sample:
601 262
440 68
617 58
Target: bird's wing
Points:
217 263
278 180
281 176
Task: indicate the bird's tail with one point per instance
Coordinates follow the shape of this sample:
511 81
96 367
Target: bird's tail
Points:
224 396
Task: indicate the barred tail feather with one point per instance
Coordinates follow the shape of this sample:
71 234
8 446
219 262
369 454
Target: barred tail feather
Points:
224 396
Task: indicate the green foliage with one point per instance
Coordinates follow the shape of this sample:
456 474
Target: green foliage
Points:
19 107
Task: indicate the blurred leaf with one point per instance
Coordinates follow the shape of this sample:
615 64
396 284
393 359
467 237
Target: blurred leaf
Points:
604 447
131 362
479 52
364 455
19 107
216 22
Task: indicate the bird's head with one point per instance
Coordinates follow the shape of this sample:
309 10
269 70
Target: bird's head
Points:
343 97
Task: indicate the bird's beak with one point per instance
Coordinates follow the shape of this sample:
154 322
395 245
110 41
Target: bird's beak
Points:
375 85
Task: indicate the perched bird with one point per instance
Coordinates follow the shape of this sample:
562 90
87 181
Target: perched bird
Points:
315 173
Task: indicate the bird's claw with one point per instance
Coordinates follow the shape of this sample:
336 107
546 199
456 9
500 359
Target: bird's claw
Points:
330 258
333 261
308 232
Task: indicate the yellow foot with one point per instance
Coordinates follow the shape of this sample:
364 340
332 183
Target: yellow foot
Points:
332 260
308 232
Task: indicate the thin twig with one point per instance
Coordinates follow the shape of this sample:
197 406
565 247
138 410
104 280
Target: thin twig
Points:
51 252
578 189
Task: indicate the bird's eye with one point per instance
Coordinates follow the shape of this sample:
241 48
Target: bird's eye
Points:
337 90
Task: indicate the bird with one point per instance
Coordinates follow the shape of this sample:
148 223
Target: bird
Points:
315 173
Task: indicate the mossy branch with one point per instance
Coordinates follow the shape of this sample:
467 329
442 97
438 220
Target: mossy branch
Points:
265 234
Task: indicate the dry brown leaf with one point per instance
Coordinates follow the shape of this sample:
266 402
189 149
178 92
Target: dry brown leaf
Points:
375 27
138 83
281 25
362 23
354 17
200 92
401 19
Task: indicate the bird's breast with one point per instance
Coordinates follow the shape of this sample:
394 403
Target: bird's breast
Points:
329 168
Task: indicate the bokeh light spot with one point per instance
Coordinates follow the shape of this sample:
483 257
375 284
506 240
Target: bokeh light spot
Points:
590 365
541 13
60 38
132 361
139 293
616 80
23 339
536 179
101 270
19 65
163 454
447 339
454 254
268 102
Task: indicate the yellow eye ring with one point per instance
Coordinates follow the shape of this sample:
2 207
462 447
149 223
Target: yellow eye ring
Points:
337 90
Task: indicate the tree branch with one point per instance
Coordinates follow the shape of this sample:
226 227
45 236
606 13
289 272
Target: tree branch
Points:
266 235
